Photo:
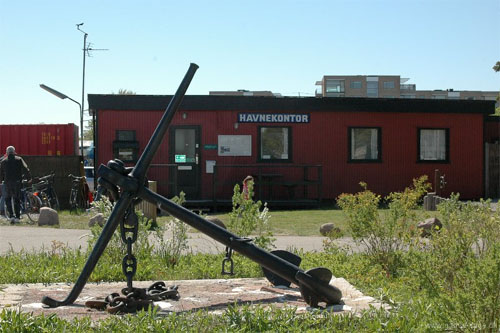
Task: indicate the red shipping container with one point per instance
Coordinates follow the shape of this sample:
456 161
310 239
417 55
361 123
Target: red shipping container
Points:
40 139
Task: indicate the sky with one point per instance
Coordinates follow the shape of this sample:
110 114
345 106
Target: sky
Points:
284 46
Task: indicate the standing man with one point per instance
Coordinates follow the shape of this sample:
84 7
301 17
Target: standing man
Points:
12 170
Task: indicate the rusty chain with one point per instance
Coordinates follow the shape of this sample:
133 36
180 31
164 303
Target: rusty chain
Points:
135 300
129 230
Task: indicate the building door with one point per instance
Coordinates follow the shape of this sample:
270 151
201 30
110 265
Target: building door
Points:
185 154
492 181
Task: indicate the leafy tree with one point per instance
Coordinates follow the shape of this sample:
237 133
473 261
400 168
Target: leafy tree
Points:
496 68
125 92
88 131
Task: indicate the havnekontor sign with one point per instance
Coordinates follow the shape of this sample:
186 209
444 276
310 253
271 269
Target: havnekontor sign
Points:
273 118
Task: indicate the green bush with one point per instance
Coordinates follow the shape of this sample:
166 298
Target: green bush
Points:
383 236
459 268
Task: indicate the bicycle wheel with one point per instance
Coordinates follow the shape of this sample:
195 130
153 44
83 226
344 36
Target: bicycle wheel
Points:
32 205
72 200
54 201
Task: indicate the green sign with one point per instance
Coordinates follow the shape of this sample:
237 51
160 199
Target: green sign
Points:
210 146
180 158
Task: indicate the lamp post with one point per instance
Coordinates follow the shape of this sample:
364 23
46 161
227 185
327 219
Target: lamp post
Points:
62 96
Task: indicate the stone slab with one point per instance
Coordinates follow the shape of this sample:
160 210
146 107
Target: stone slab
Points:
208 295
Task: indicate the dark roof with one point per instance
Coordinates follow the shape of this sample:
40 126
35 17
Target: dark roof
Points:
288 104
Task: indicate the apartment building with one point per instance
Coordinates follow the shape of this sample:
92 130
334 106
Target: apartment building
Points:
389 86
244 92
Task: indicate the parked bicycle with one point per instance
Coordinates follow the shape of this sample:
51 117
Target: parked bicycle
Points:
79 197
30 203
44 188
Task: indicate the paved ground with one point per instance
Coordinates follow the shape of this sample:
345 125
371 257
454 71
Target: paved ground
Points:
208 295
36 238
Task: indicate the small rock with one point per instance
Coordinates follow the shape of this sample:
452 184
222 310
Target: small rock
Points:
216 220
97 219
48 216
428 225
328 228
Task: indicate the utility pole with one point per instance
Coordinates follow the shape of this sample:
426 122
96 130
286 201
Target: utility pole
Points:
86 49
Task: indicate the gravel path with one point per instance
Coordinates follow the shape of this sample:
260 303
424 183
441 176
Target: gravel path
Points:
35 238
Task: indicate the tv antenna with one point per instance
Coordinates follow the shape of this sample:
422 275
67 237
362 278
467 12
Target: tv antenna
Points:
86 52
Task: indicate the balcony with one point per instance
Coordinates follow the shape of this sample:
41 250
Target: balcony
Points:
408 87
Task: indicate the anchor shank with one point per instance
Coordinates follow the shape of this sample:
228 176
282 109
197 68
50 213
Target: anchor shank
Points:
142 165
273 263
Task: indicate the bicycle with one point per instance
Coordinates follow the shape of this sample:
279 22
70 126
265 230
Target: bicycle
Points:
79 195
30 203
46 191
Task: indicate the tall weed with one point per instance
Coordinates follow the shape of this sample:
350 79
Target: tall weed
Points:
247 218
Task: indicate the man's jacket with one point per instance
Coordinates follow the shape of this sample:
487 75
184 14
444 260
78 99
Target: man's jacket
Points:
13 168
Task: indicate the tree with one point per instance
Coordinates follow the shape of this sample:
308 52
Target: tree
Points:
496 68
88 131
125 92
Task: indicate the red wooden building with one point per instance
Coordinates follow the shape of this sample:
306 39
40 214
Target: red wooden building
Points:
297 149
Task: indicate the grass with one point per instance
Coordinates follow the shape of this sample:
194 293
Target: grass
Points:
286 222
283 222
301 222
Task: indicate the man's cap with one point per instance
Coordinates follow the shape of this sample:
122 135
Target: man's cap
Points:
10 150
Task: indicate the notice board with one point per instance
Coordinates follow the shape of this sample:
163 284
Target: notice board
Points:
235 145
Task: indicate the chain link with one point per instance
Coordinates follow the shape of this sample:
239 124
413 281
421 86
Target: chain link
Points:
129 227
135 300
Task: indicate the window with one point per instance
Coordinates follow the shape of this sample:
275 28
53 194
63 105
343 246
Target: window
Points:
275 144
433 144
365 144
126 147
389 85
334 86
356 85
372 86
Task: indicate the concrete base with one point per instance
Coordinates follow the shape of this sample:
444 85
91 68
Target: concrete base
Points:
208 295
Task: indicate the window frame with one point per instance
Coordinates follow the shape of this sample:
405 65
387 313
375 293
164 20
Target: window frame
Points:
126 144
374 91
340 85
389 85
379 145
446 145
353 83
271 160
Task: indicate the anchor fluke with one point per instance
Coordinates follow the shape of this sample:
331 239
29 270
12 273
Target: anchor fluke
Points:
50 302
315 287
277 280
